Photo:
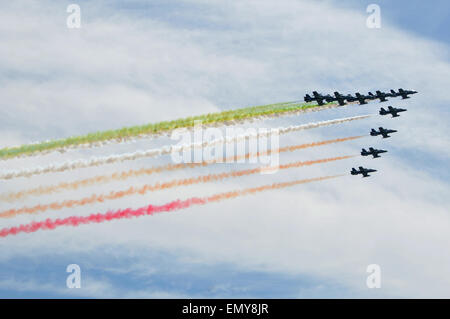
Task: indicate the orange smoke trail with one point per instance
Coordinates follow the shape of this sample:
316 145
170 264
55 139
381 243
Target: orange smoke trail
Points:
43 190
149 210
248 191
158 186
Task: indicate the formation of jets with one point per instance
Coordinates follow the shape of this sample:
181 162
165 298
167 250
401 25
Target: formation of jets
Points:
361 98
382 96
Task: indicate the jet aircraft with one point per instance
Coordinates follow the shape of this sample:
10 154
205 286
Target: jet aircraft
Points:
362 98
364 171
382 131
341 98
372 151
319 98
382 96
404 93
392 110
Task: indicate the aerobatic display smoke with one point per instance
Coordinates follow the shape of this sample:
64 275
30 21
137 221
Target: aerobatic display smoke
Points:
75 221
97 161
120 176
135 133
159 186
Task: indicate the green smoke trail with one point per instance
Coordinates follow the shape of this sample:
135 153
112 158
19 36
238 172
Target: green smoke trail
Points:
154 128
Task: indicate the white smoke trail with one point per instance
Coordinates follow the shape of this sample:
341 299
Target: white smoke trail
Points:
166 150
133 139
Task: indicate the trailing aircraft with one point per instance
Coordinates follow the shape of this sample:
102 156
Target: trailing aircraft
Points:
341 98
364 171
382 96
382 131
372 151
319 98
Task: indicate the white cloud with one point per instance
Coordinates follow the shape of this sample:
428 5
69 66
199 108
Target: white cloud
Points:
124 70
90 288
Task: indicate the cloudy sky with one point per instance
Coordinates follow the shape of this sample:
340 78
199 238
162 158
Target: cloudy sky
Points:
146 61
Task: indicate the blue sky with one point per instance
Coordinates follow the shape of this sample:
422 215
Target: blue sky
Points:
146 61
430 20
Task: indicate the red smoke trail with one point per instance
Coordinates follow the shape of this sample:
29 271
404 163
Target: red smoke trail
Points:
119 176
50 224
94 198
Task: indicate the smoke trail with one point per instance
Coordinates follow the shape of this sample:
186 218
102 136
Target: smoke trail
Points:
50 224
96 161
43 190
132 134
158 186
